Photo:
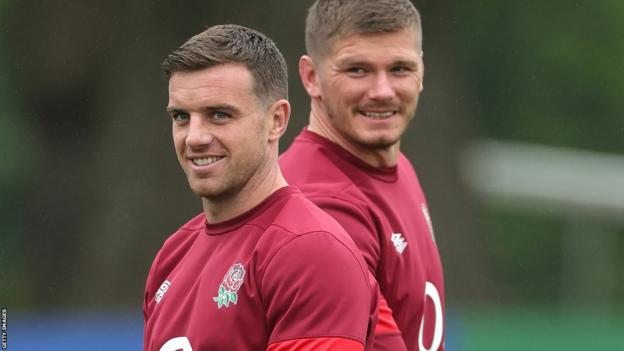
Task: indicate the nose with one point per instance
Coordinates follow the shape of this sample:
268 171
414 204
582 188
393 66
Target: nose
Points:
199 133
382 87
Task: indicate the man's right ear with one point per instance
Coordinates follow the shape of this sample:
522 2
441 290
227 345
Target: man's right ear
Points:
308 75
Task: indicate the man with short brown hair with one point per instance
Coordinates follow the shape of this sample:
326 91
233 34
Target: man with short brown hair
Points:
364 73
262 268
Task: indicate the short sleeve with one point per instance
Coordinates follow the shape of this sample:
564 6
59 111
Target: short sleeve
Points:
147 306
357 223
315 286
149 289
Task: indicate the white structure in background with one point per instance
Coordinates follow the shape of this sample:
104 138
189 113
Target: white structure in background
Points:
585 188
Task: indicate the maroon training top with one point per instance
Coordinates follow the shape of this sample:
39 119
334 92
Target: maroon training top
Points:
385 212
282 276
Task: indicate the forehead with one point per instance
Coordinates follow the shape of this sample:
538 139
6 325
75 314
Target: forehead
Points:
392 46
229 82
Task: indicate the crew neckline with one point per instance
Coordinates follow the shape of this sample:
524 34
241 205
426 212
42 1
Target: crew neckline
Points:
247 216
386 174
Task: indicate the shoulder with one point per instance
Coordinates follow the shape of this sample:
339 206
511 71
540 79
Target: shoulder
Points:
323 171
299 215
173 249
319 248
337 191
310 261
310 162
405 166
315 286
299 219
302 228
185 234
408 177
328 185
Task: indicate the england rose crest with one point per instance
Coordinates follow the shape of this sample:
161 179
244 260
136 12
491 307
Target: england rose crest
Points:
229 287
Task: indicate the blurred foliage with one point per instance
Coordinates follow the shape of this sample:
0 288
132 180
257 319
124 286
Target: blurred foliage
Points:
18 150
548 72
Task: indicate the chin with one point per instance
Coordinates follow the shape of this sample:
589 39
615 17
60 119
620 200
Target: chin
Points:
204 191
378 141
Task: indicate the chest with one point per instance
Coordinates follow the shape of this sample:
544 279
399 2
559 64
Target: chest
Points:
403 217
407 249
209 301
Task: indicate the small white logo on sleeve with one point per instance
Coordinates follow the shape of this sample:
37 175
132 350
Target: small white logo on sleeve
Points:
399 242
161 292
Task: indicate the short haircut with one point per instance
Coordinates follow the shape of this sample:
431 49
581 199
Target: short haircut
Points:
330 20
231 43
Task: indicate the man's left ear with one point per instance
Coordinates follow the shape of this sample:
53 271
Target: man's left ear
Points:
280 115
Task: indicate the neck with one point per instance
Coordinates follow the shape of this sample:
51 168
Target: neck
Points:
374 156
260 186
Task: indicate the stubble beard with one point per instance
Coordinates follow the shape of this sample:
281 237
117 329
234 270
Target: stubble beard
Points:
376 143
231 183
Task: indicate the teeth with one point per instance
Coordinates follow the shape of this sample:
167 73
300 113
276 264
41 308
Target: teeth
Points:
205 161
378 115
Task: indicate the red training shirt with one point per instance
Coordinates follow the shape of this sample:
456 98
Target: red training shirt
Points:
385 212
282 276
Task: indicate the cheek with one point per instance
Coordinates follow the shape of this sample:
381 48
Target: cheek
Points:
337 87
350 89
248 140
341 100
409 92
179 142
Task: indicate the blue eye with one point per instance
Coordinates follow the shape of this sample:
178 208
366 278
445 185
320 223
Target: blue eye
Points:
180 117
356 71
400 69
220 116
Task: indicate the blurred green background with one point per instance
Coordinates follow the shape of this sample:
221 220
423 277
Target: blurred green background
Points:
90 186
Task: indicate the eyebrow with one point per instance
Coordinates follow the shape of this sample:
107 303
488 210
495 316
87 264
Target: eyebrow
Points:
173 109
363 62
411 64
208 108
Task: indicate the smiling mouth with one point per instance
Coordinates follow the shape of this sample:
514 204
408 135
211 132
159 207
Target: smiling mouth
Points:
378 115
205 161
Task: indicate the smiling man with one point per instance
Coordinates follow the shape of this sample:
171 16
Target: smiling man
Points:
262 268
364 73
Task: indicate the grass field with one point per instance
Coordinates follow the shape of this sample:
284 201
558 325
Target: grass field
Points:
533 329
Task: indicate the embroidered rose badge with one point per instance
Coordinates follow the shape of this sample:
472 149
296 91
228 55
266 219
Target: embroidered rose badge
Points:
229 287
